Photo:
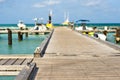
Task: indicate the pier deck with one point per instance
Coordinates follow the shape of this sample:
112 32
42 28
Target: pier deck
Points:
13 66
23 31
72 56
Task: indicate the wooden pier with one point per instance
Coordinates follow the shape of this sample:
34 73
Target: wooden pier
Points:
73 56
67 55
24 31
20 33
99 30
13 66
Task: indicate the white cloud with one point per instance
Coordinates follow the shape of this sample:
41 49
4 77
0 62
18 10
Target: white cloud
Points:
89 3
39 5
46 3
52 2
2 1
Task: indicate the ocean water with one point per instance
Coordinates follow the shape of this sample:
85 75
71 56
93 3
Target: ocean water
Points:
26 46
29 44
7 77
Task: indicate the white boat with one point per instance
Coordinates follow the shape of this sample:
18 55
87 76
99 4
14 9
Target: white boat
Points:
81 28
97 35
39 27
100 36
66 22
21 25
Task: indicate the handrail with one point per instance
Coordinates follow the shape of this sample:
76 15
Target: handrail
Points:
40 51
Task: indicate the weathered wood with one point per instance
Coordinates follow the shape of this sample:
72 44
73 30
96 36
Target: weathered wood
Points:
26 34
105 32
27 72
9 37
11 67
40 51
118 32
27 61
19 61
24 31
20 36
37 52
10 73
71 56
117 36
112 30
3 61
10 61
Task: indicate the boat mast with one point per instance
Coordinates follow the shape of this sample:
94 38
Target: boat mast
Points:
66 15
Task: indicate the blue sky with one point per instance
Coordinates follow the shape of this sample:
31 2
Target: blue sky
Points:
97 11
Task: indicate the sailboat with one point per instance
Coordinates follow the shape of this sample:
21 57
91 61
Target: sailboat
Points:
66 22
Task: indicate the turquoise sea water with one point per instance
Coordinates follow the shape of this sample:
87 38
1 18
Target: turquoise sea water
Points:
28 45
7 77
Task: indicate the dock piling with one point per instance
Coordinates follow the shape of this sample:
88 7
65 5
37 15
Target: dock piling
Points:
118 35
9 37
20 36
105 32
26 34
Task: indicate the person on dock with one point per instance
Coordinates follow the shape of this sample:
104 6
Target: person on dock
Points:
49 25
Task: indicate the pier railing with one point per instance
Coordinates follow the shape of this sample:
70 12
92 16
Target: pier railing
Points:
111 30
27 72
23 31
40 51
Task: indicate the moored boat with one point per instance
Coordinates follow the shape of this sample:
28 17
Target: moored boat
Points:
21 25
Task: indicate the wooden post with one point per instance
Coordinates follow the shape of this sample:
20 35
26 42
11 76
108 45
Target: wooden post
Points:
9 37
118 32
26 33
20 36
37 52
118 35
105 33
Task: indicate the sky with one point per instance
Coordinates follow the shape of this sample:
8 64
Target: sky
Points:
97 11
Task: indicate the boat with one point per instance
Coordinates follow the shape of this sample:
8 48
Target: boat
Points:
100 36
66 22
40 27
90 32
83 28
21 25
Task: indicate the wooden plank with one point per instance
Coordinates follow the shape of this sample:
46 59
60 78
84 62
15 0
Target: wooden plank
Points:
10 61
24 31
19 61
3 61
26 61
27 72
11 67
0 59
11 73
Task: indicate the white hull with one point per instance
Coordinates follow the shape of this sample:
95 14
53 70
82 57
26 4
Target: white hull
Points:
40 28
101 36
23 26
81 28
